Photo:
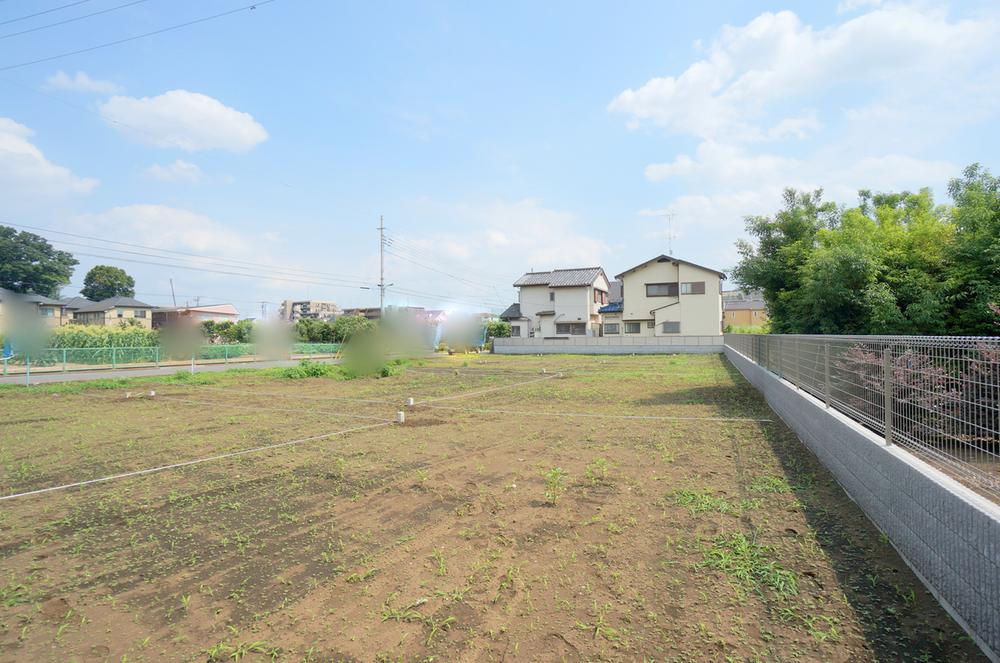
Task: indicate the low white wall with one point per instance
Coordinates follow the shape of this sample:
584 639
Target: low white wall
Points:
948 534
609 345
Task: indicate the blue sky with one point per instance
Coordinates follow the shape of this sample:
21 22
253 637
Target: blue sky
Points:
494 139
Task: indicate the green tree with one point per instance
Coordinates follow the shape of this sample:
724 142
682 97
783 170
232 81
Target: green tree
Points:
974 272
29 264
104 281
347 326
498 329
783 245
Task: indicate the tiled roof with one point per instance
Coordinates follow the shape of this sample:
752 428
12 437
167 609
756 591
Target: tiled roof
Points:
615 291
75 302
512 313
561 278
112 302
29 298
613 307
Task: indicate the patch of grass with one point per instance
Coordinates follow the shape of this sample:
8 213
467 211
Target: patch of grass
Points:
749 563
703 502
770 484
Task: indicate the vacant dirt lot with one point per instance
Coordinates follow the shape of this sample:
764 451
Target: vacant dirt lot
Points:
631 508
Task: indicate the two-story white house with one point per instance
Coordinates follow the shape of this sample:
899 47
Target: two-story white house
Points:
558 303
666 296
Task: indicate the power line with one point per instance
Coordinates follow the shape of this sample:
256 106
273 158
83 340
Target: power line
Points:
47 11
71 20
414 249
135 37
434 269
187 254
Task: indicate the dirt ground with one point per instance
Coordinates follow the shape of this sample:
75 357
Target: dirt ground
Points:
608 509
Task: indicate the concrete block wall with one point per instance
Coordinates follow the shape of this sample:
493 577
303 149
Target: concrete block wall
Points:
609 345
948 534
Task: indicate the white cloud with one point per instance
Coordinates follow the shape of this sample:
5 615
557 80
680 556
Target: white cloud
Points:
775 57
178 171
762 102
25 172
186 120
165 227
81 82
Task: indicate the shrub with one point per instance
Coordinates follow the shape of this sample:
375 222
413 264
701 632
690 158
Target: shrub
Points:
309 369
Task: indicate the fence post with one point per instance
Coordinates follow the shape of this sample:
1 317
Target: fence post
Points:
781 362
887 392
114 357
826 373
27 368
226 349
157 356
64 360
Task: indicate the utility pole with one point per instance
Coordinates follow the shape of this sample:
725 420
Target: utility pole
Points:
381 267
172 295
263 310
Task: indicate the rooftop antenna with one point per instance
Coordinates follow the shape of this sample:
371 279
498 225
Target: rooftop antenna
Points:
669 216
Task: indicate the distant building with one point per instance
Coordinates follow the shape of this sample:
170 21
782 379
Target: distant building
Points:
51 311
113 311
664 296
295 310
744 308
561 302
374 313
167 315
71 305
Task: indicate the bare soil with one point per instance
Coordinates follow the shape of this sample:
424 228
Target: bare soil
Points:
509 519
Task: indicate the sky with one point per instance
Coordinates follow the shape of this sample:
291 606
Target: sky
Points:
249 157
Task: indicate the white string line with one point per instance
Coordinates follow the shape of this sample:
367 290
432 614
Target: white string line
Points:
597 415
486 391
301 396
268 408
231 454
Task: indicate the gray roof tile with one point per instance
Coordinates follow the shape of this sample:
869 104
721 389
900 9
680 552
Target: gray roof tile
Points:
561 278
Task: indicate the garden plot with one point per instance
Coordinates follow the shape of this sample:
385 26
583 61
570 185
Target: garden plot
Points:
606 509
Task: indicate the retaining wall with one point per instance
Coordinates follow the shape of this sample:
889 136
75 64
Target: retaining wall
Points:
609 345
948 534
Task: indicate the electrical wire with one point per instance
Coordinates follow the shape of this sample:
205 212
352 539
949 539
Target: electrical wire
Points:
135 37
47 11
71 20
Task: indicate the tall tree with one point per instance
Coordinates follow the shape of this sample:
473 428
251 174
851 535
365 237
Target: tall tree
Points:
29 264
783 245
103 281
974 274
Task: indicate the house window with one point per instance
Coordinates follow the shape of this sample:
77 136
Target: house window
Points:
571 328
610 328
552 296
515 330
46 312
121 313
650 324
600 297
661 289
632 328
693 288
141 313
672 327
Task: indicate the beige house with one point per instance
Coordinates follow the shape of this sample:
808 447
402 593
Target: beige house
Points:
113 311
49 311
667 296
558 303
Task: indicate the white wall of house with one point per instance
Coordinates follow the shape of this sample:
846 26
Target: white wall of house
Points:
572 306
697 314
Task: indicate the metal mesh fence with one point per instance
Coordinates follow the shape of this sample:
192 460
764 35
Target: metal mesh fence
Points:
936 396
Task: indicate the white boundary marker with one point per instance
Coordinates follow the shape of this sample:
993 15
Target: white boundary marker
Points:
162 468
597 415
